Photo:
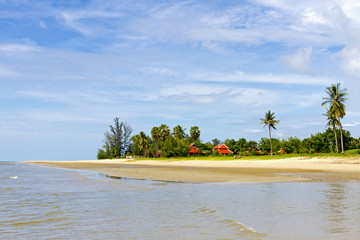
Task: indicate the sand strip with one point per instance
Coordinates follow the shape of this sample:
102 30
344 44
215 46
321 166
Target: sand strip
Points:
245 171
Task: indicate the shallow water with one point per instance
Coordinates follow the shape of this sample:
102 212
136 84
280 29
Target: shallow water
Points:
50 203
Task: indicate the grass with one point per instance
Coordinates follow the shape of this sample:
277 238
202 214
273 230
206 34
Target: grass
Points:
348 154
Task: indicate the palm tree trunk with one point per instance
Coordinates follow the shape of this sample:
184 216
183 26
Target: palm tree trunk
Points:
270 141
336 142
342 141
156 149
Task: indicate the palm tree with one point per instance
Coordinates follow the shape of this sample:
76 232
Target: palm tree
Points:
144 142
336 98
270 121
178 132
164 134
155 133
332 122
195 133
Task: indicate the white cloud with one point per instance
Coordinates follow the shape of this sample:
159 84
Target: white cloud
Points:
6 72
351 124
300 62
69 97
350 60
14 48
56 116
239 76
253 130
42 24
159 71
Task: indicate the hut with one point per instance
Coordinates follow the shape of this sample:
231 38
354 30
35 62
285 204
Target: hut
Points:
223 149
193 148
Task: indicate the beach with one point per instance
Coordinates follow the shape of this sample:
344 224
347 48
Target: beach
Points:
233 171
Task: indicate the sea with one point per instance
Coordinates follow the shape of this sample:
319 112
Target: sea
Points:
39 202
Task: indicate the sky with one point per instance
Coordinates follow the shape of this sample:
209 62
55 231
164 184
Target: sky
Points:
68 68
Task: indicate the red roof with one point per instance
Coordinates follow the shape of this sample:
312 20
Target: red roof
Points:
193 150
222 149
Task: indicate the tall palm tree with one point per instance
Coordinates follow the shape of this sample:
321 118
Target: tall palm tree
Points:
336 98
195 133
332 122
155 133
270 121
178 132
144 142
164 132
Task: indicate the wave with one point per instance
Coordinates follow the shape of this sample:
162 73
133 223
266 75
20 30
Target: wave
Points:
239 227
242 228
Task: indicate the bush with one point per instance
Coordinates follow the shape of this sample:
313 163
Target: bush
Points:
254 152
216 153
244 153
353 152
303 150
102 154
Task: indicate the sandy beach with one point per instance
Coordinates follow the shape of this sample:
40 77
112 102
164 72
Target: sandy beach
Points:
200 171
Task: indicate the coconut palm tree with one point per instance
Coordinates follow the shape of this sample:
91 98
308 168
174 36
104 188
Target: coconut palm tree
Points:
195 133
332 122
178 132
155 133
270 121
164 132
144 142
336 98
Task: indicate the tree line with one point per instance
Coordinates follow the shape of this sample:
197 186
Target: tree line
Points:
176 143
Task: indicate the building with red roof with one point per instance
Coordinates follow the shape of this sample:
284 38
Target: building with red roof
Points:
223 149
193 148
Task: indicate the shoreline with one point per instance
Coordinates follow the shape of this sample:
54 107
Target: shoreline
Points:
233 171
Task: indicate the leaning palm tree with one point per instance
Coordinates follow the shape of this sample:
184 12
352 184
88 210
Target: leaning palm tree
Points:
270 121
155 133
332 122
336 98
178 132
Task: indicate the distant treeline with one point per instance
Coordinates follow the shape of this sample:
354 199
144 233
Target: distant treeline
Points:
176 143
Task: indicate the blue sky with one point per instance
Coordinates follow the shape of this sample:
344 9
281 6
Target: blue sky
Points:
67 68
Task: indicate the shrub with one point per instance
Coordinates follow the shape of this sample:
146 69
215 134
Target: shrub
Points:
254 152
102 154
216 153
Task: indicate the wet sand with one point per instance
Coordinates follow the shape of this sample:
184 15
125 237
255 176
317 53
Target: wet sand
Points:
236 171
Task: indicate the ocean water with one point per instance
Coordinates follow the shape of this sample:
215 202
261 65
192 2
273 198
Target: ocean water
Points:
48 203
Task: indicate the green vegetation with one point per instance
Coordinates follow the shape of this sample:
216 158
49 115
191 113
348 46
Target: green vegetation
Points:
175 145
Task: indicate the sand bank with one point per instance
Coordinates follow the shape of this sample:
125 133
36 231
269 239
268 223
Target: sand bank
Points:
197 171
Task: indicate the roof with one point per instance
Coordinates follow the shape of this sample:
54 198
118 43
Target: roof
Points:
193 150
222 149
